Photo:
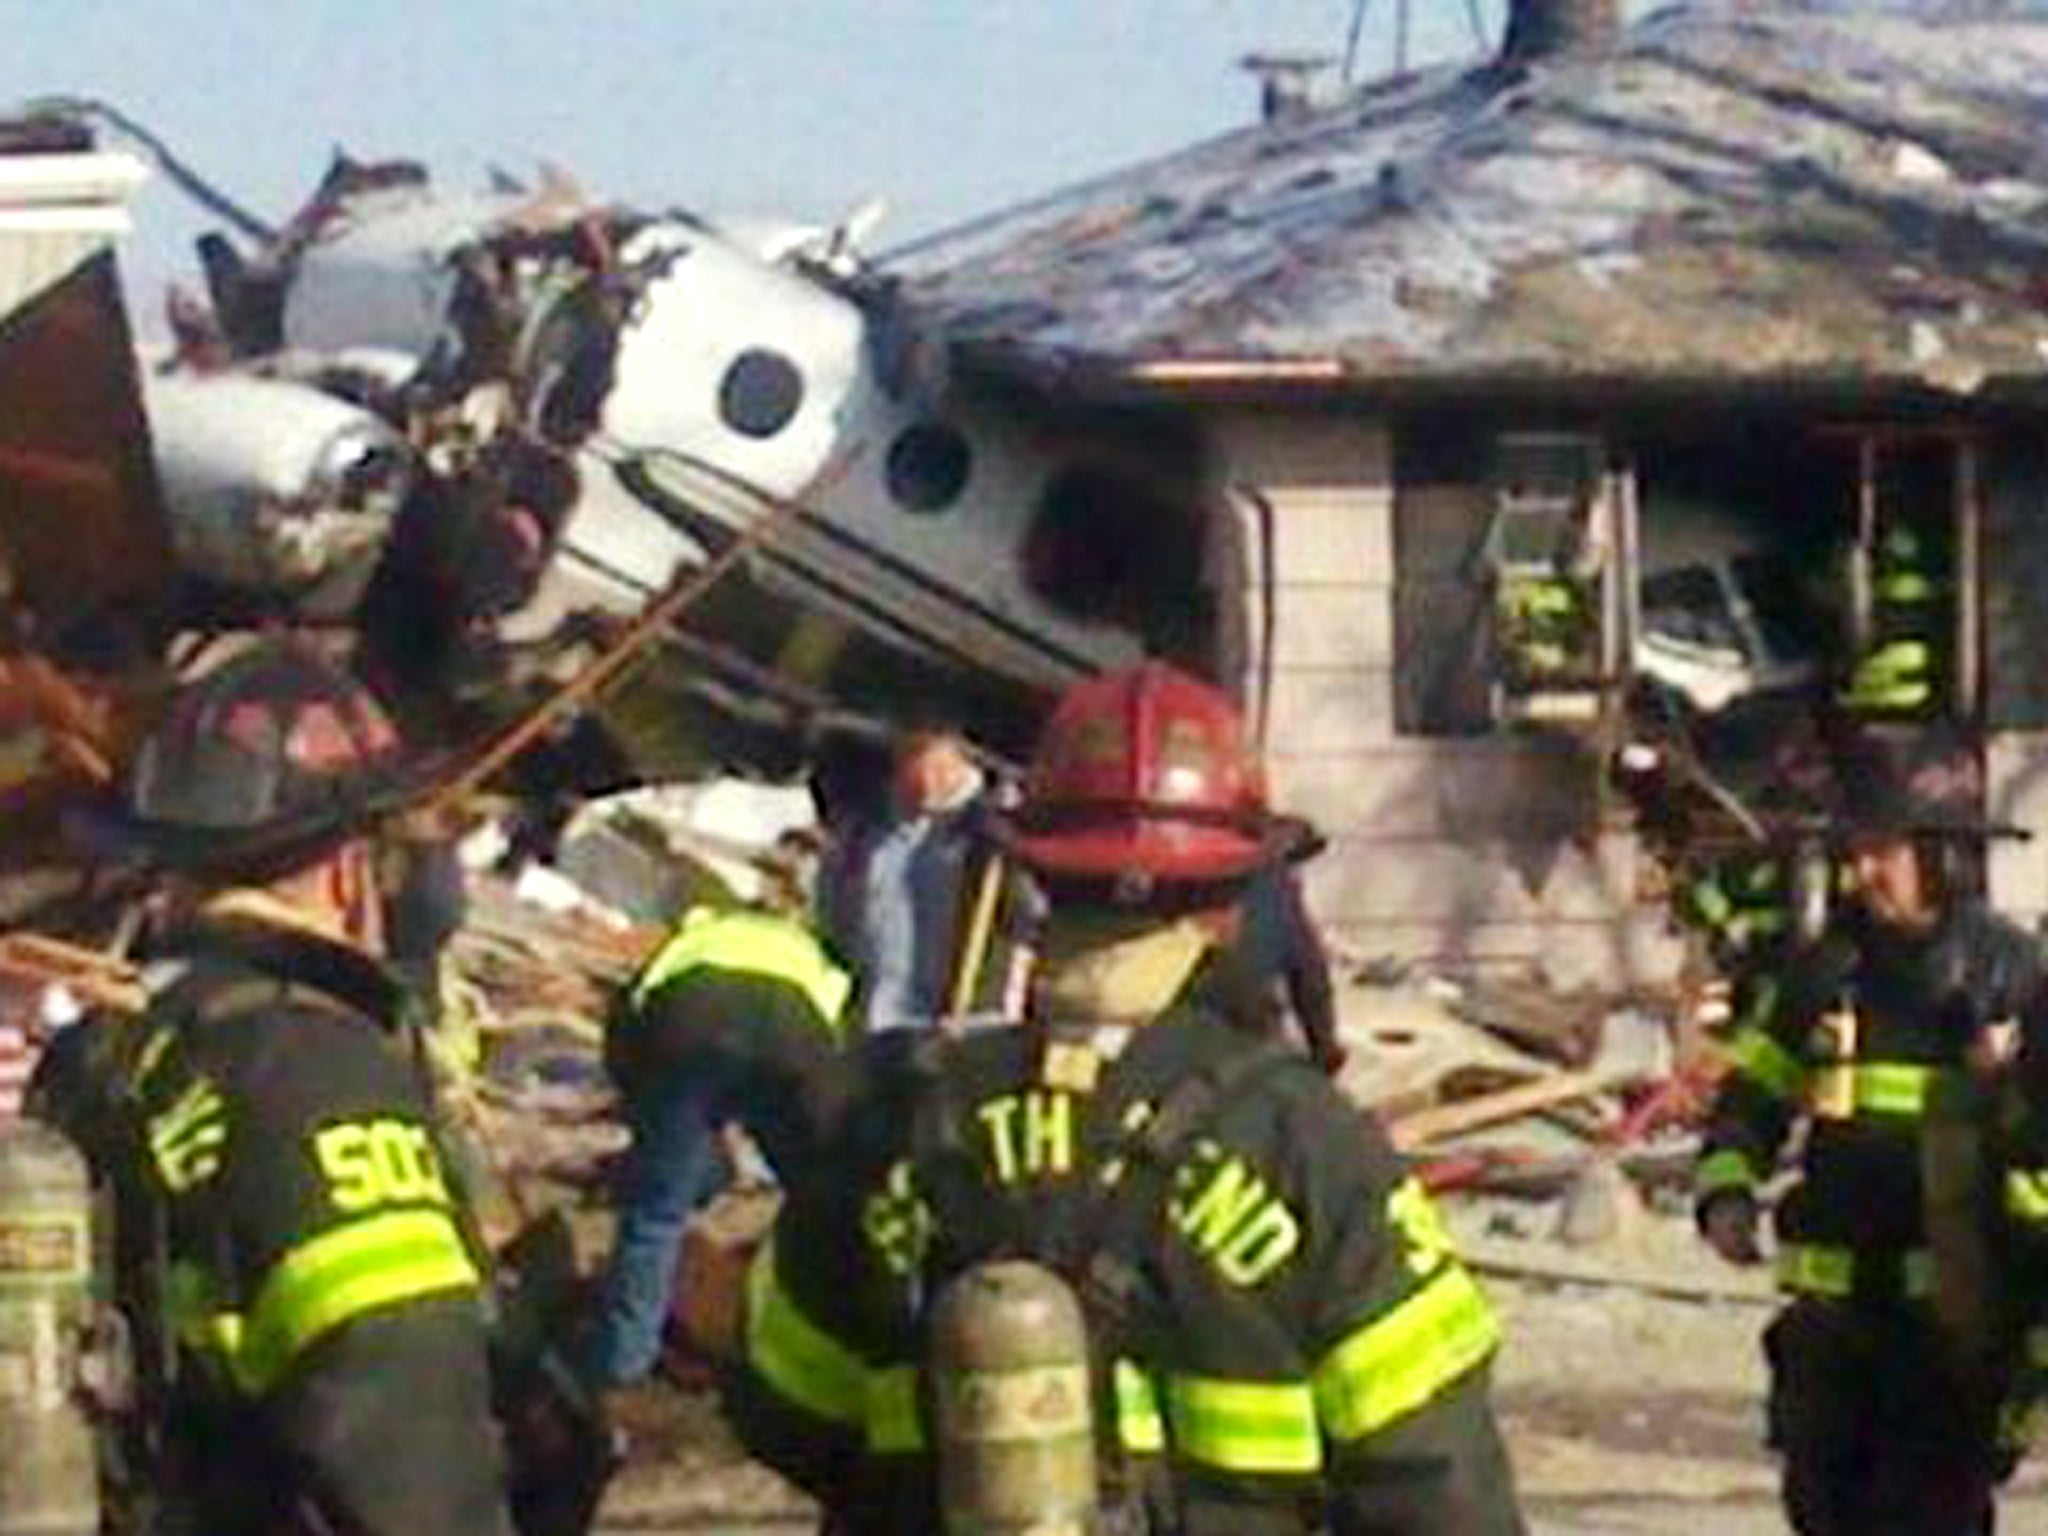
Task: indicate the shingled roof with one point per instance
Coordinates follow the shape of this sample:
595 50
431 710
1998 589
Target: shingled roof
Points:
1773 190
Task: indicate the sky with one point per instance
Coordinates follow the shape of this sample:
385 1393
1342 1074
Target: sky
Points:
799 108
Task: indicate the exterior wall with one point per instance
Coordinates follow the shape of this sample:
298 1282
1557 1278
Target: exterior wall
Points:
2016 794
57 211
1478 850
2015 628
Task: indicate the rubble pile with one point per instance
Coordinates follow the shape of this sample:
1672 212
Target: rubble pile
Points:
1552 1122
525 987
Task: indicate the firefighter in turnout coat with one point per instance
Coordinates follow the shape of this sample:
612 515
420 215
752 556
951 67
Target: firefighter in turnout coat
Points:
1278 1336
274 1123
1884 1399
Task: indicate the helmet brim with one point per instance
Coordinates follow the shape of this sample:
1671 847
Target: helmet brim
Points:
1166 850
116 834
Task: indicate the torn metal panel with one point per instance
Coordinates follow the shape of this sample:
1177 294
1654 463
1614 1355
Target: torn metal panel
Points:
702 382
275 488
83 554
1799 190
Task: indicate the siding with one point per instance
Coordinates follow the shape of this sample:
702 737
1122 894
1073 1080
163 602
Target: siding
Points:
2016 786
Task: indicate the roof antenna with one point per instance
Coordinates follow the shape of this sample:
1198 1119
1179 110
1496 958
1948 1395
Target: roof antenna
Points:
1480 41
1404 16
1351 38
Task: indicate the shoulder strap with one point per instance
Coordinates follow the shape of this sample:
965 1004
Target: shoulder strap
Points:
949 1178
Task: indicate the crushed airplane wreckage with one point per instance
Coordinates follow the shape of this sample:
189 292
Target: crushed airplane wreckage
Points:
479 427
473 440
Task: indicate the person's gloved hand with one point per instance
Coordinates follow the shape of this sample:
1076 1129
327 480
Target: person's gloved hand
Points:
1728 1221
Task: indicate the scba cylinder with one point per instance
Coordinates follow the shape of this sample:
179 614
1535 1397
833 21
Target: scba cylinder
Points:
1011 1404
48 1474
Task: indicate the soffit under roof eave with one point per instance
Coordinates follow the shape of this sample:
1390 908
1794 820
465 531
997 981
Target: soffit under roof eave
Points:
1334 380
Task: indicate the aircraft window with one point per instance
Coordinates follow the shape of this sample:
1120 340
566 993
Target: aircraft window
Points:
927 467
760 393
1688 604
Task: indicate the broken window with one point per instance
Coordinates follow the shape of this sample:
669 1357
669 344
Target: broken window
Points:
1504 604
1691 607
1108 545
1732 540
1443 608
1547 557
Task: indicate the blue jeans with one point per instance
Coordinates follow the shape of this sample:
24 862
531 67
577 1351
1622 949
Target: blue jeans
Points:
673 1165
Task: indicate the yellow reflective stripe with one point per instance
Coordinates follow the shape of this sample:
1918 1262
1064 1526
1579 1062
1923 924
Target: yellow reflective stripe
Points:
1728 1168
1399 1361
1710 903
1139 1427
1878 1087
198 1320
341 1275
1759 921
1918 1270
1244 1426
796 1357
755 943
1895 674
1893 1088
1816 1270
1905 587
890 1409
2026 1194
1760 1058
1829 1269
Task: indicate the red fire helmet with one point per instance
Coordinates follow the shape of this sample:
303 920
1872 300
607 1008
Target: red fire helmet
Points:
1144 775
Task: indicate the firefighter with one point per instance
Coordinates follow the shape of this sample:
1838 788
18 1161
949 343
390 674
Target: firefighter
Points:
276 1127
1900 672
738 1016
1880 1408
1740 904
1548 624
1278 1336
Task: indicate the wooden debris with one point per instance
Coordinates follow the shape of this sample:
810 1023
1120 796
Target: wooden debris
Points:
1427 1126
101 980
1707 1280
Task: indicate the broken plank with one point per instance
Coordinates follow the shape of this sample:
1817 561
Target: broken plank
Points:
1710 1280
1425 1126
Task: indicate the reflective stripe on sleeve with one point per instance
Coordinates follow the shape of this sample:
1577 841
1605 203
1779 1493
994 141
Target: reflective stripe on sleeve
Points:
1397 1362
1729 1168
793 1355
339 1276
1763 1061
1244 1426
889 1406
1900 1088
1139 1427
2026 1195
1831 1269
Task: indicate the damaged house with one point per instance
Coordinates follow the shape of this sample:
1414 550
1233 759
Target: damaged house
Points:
1678 320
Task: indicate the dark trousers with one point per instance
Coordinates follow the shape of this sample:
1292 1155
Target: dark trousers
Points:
385 1431
1879 1435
